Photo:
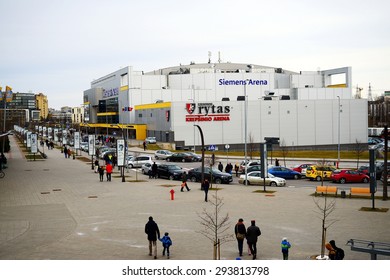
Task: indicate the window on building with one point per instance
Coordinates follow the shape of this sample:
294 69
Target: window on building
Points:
124 80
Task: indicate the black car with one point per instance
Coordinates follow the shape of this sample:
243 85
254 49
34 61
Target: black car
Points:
379 167
169 171
183 157
219 177
195 157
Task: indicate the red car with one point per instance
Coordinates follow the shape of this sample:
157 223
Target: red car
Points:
301 168
349 176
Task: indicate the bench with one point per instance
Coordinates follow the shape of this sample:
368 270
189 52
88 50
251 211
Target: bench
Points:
359 191
325 190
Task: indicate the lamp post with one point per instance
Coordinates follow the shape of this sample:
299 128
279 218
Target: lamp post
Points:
202 139
338 134
194 125
246 132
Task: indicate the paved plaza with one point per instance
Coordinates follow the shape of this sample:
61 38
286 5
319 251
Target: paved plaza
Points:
57 209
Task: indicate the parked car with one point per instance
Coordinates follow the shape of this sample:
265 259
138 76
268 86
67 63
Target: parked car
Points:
301 168
150 140
146 168
109 151
170 171
219 177
162 154
183 157
379 166
349 176
316 172
84 146
283 172
139 161
250 163
374 140
195 157
254 178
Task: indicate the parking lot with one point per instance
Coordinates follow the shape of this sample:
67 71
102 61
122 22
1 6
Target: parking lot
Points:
57 209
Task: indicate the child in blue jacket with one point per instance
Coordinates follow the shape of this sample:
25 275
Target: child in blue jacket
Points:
166 242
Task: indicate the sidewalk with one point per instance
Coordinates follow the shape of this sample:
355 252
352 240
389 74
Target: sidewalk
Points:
57 209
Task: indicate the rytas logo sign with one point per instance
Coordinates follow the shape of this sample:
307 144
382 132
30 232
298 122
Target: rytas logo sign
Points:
206 112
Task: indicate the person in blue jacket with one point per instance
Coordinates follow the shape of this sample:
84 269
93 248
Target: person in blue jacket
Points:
166 242
285 247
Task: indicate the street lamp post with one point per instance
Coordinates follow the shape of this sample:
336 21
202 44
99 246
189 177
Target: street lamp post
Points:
338 134
246 132
194 126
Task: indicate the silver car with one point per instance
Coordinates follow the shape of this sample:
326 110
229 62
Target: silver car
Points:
139 161
162 154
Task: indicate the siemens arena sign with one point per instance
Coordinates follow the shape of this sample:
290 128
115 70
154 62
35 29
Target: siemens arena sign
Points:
223 82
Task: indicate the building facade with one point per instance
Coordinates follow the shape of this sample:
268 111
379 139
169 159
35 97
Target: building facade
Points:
42 105
301 108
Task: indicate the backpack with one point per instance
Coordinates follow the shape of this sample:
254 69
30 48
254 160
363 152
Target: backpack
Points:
339 254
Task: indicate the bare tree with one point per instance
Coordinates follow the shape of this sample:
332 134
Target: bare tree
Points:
136 154
323 170
325 208
284 150
359 150
215 226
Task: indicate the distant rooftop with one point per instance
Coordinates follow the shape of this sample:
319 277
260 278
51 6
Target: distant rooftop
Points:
220 67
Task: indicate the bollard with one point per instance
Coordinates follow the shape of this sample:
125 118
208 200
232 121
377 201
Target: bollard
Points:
172 194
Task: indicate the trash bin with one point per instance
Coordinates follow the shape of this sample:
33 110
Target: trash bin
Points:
343 195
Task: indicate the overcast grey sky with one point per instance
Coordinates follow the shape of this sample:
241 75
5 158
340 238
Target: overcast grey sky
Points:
58 47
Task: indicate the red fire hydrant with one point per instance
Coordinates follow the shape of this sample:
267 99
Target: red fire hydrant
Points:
172 194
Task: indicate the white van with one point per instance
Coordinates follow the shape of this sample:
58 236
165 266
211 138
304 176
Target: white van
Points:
139 161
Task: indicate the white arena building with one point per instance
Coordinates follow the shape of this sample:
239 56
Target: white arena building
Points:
302 109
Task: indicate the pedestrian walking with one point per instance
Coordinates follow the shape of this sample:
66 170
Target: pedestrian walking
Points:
331 251
184 182
205 187
154 170
166 242
108 171
101 173
252 233
96 165
220 166
236 168
69 152
240 233
276 162
144 144
339 252
213 159
152 231
285 248
65 151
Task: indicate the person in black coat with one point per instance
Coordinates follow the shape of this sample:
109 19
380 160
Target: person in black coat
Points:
153 233
252 233
205 187
184 182
240 233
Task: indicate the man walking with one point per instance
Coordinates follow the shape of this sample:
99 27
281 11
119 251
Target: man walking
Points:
252 233
206 186
151 229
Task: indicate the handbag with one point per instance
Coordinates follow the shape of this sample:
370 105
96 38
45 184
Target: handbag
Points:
240 235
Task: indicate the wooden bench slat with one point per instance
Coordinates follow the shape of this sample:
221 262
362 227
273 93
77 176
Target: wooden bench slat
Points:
326 190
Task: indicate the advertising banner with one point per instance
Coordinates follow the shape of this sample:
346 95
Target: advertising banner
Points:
76 139
28 139
34 143
120 148
56 134
91 145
